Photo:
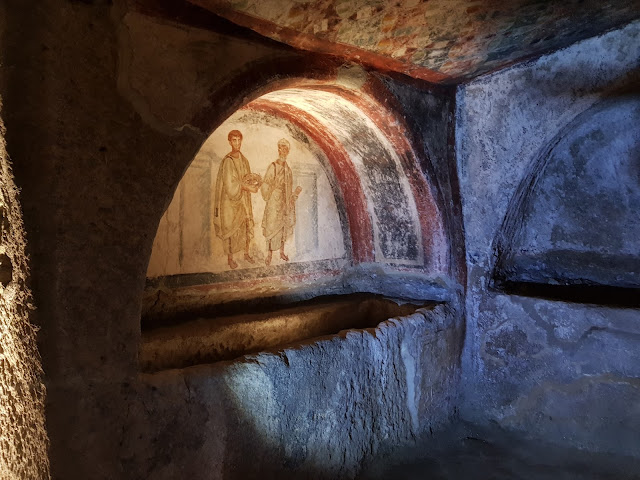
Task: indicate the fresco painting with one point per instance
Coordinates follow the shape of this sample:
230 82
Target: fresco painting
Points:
390 201
434 40
280 209
255 197
233 213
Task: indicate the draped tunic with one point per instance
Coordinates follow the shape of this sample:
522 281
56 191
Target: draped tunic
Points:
279 211
231 204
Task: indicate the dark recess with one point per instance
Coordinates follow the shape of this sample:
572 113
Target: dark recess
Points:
583 293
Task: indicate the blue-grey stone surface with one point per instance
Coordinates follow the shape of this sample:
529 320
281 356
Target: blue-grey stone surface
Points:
564 371
575 218
317 410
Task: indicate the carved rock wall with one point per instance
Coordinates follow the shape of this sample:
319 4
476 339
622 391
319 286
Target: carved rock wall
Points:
24 442
564 370
108 105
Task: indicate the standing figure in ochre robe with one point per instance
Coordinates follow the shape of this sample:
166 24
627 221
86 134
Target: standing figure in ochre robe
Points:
280 210
232 211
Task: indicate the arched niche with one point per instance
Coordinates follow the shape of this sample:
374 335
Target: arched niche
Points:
365 218
574 221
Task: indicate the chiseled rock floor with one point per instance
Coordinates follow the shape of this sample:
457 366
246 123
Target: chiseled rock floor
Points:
468 452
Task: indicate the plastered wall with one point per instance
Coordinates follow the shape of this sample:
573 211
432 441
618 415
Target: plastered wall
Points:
562 370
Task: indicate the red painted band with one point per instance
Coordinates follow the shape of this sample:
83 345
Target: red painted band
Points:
394 129
360 226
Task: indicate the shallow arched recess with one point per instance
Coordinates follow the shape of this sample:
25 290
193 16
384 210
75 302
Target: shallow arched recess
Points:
363 226
573 228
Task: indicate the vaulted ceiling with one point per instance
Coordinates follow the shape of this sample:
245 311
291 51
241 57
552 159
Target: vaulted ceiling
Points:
443 41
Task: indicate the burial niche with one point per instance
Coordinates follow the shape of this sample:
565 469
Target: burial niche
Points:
574 226
299 197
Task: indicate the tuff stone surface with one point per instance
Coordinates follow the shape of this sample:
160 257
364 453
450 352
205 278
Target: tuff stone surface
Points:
23 438
577 223
100 132
467 451
437 40
106 104
552 369
300 412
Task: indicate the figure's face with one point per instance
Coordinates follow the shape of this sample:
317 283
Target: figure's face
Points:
236 143
283 150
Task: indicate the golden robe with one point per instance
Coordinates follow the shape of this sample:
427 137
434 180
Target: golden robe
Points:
232 211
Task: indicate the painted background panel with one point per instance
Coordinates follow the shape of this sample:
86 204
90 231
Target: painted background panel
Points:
186 242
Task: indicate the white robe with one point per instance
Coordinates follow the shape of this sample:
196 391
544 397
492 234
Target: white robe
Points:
280 211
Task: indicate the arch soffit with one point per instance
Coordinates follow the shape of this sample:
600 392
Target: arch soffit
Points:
369 95
520 201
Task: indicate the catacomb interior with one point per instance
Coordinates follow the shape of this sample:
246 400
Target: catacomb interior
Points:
326 239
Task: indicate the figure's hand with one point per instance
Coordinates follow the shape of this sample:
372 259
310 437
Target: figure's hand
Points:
294 195
250 188
251 182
